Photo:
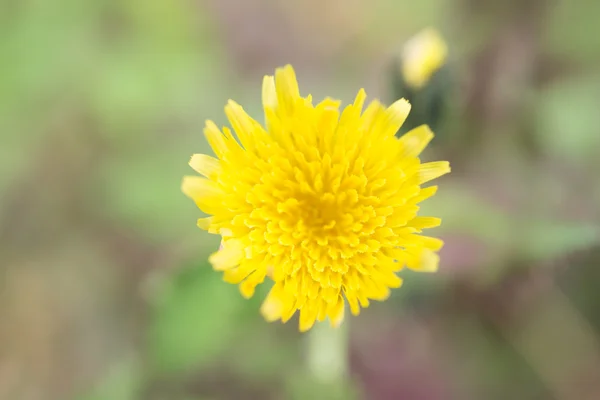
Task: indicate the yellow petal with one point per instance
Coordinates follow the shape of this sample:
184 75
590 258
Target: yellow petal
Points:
269 95
287 88
234 276
431 243
380 294
371 115
248 287
421 223
424 194
351 113
229 255
426 261
432 170
353 303
206 165
397 114
204 223
328 117
289 309
414 141
215 139
359 101
336 312
240 121
391 280
322 313
273 306
308 316
205 193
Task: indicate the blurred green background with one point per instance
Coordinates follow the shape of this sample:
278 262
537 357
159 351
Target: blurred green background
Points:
105 292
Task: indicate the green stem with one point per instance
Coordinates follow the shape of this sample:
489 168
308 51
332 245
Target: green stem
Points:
327 353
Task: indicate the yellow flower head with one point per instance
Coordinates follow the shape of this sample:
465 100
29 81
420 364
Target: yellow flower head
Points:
422 56
324 203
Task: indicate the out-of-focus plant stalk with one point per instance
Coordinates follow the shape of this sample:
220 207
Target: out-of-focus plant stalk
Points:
327 353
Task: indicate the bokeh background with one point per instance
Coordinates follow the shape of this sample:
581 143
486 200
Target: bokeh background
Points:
105 292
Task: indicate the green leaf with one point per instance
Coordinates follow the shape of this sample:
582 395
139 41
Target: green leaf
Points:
194 320
548 239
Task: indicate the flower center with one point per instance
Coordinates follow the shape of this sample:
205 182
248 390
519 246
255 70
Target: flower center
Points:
325 225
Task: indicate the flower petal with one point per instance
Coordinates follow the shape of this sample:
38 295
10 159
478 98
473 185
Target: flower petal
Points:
287 88
431 170
414 141
207 194
269 94
205 165
421 223
424 194
336 312
273 306
432 243
425 261
308 316
204 223
396 115
229 255
215 139
241 122
248 287
353 302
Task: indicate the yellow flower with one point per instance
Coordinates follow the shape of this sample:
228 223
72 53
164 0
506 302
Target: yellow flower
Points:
322 203
423 55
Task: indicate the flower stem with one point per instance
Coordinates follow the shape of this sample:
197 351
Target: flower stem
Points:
327 355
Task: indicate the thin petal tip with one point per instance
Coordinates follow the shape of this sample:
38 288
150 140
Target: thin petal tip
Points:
187 185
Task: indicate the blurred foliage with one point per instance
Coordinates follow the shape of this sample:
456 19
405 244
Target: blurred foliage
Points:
106 291
187 328
123 382
568 127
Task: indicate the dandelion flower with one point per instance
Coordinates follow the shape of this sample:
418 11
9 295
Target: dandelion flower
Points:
320 201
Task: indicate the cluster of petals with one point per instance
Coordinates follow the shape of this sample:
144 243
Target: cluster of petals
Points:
321 202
